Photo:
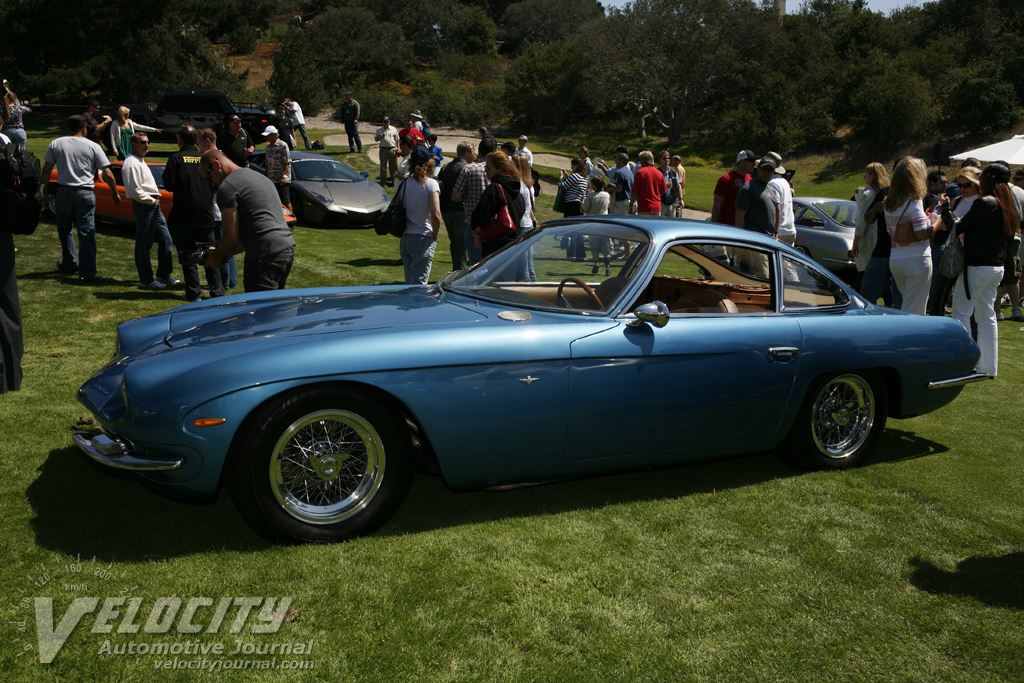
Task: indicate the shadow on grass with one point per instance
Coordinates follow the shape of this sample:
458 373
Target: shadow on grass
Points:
83 507
368 262
993 581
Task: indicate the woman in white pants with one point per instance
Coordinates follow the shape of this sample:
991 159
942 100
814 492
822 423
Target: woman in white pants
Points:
910 230
986 231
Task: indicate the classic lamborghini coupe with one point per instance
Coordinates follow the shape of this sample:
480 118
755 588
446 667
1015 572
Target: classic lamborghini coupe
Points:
315 406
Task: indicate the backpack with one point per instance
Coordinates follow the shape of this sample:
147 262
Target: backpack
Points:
426 128
21 193
317 145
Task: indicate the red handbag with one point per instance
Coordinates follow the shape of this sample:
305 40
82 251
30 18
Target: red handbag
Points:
500 225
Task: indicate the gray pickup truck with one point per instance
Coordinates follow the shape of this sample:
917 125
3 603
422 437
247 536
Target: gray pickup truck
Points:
202 109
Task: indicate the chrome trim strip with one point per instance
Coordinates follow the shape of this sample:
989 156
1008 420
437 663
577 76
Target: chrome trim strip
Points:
114 453
959 381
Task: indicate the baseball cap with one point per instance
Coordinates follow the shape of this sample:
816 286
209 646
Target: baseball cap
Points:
767 161
746 155
387 119
269 130
419 156
233 118
523 138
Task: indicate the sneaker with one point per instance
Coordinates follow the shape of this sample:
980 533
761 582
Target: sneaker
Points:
155 284
1018 316
169 281
184 297
999 316
593 271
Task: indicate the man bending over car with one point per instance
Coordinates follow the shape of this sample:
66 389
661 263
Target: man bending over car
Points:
253 222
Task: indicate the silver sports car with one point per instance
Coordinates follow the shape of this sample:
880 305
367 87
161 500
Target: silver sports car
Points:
824 231
324 190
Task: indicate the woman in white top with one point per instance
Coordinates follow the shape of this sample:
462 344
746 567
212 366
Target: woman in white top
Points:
421 196
529 221
121 132
910 230
596 204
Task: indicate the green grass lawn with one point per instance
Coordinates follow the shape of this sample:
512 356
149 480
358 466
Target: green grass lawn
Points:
906 569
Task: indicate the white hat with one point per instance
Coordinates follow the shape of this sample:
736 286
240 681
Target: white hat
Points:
269 130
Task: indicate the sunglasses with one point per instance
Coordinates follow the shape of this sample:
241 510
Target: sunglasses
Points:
967 184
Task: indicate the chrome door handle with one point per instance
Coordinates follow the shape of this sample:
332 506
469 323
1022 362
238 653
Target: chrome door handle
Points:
783 353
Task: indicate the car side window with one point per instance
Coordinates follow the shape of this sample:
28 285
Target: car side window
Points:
711 279
809 219
804 287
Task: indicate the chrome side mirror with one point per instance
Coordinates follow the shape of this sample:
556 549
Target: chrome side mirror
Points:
655 313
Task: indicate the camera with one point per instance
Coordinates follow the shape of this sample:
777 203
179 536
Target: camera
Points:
196 255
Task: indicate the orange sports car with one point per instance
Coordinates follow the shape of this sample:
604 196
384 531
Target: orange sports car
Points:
106 210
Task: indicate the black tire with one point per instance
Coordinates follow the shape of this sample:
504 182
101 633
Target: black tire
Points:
298 208
320 464
840 422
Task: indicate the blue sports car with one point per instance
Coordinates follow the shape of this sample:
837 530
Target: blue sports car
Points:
316 406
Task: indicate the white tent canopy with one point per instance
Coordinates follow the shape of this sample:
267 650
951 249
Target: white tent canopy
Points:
1011 151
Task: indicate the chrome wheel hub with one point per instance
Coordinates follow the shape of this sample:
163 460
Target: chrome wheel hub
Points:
843 415
327 466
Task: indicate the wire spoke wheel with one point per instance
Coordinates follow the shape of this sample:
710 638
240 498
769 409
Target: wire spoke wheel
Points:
843 415
327 466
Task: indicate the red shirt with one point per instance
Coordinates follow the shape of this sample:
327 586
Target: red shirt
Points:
728 186
414 133
648 186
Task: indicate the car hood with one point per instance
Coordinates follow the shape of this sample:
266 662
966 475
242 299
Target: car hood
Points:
313 312
350 195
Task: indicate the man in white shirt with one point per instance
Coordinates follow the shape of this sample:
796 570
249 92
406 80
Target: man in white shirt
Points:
298 119
150 226
523 151
784 193
387 153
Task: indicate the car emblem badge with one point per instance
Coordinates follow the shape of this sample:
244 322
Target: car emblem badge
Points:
515 316
528 380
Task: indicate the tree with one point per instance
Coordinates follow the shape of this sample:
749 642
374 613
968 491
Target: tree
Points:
667 60
327 52
539 22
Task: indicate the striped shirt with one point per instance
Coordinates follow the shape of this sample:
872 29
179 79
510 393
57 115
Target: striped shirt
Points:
574 188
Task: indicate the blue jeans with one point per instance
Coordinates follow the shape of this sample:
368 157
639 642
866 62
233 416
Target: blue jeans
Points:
877 282
229 269
417 256
76 208
18 136
473 252
150 227
455 225
301 127
352 130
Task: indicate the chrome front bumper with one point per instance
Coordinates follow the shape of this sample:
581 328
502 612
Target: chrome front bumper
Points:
959 381
116 453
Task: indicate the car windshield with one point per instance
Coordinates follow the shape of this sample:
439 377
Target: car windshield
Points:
841 211
323 169
580 266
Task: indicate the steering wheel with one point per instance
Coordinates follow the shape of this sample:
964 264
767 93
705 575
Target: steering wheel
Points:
584 286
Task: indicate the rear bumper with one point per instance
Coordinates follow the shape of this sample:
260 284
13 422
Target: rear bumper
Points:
118 454
959 381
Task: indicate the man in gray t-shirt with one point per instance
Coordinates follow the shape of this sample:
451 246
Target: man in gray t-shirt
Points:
253 222
77 160
758 209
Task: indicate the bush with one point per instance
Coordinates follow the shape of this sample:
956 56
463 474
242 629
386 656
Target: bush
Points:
895 110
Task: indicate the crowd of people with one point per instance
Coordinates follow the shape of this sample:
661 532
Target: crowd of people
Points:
485 198
906 222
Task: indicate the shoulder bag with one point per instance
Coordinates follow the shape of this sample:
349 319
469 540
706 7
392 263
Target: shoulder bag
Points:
953 258
392 221
501 224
